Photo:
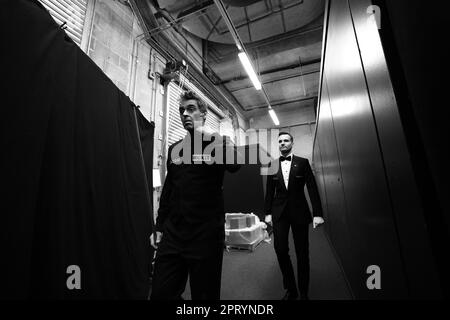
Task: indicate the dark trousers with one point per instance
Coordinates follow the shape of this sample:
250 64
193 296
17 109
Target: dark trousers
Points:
175 262
301 242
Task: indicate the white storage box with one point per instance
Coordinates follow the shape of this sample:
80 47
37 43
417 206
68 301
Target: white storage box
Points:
244 236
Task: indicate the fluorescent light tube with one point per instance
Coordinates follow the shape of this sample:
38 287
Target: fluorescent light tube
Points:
248 67
274 117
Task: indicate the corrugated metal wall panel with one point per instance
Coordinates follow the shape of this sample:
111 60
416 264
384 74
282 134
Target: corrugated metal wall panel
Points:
72 12
175 129
212 120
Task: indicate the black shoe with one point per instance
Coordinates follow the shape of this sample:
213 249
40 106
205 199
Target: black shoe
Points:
290 295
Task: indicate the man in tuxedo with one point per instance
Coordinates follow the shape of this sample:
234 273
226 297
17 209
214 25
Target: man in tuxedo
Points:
286 207
190 223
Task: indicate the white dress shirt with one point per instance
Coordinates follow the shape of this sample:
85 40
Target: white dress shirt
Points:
286 169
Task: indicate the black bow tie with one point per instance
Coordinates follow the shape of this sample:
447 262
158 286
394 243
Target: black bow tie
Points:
288 158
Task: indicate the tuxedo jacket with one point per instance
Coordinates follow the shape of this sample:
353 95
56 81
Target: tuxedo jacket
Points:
292 199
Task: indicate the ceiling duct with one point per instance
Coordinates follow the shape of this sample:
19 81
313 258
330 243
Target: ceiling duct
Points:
240 3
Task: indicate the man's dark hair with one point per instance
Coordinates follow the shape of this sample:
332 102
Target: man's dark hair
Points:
283 132
191 95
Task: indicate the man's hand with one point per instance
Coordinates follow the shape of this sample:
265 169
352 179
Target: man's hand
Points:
317 221
205 130
268 219
158 239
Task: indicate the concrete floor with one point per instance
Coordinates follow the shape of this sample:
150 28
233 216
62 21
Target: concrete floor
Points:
256 275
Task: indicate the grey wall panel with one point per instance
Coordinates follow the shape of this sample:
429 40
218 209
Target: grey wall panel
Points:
317 170
368 222
333 191
408 210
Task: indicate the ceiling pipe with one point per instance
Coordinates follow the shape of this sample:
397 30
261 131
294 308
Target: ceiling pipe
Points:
198 77
205 62
172 23
229 23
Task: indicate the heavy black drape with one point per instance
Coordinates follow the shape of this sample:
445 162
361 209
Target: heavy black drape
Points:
249 184
75 191
146 134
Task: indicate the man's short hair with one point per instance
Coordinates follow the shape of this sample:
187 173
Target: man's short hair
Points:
283 132
191 95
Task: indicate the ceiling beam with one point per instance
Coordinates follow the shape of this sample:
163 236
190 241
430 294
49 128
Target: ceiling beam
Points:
283 102
282 16
281 78
273 10
271 40
248 25
283 37
273 70
214 28
199 7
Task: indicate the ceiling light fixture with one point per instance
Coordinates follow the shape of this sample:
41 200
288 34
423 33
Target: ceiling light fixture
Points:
274 117
239 44
248 67
244 57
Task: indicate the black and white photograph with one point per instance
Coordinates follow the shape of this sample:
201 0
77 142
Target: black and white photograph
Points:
224 157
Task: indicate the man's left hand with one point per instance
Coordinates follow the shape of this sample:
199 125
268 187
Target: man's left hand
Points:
317 221
205 130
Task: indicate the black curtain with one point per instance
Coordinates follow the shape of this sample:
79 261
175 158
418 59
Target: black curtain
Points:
72 168
146 134
248 184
